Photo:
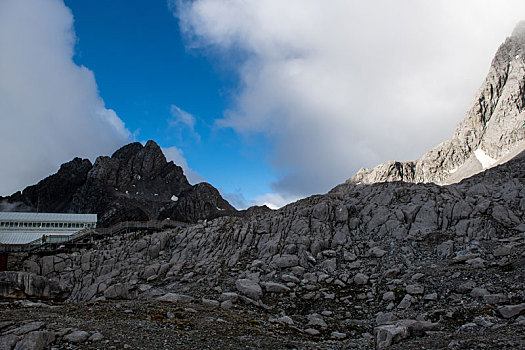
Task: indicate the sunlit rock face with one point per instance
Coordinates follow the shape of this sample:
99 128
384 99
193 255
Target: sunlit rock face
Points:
492 132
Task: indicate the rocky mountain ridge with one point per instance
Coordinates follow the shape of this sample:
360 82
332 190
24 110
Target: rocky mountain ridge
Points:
135 183
493 129
392 259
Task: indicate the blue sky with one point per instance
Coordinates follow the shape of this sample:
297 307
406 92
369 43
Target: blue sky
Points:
142 67
267 100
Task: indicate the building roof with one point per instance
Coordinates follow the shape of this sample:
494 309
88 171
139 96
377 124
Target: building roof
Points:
47 217
24 237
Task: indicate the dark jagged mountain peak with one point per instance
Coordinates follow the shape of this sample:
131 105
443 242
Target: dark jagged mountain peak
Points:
54 193
135 183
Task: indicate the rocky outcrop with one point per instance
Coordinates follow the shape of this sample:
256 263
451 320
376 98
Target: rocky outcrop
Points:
201 201
494 127
18 284
135 183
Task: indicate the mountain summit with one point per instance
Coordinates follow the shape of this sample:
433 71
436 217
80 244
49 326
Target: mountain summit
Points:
135 183
492 132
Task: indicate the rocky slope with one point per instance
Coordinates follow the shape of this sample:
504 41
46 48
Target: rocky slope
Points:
135 183
390 259
493 128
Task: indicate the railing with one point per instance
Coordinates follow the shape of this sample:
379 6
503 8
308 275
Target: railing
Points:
39 243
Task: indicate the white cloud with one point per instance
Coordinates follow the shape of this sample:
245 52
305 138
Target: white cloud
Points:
176 155
342 84
50 108
275 200
271 200
236 198
180 118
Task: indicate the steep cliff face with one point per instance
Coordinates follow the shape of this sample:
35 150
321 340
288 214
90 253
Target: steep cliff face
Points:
135 183
493 128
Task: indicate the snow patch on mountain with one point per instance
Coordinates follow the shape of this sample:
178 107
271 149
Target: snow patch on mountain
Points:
485 160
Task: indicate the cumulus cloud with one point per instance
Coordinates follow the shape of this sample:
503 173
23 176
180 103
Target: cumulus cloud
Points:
271 200
177 156
236 198
275 200
50 108
343 84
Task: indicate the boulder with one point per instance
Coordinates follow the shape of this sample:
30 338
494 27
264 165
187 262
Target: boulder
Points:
77 337
509 311
35 340
249 288
17 284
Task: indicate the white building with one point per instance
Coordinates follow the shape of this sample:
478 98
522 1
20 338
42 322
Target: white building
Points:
23 228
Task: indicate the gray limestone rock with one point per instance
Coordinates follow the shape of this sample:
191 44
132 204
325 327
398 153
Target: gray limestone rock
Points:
17 284
406 302
510 311
96 337
29 327
210 302
386 335
316 320
361 279
495 298
8 341
415 289
35 340
77 337
175 298
286 320
312 331
249 288
338 335
286 261
274 287
117 291
478 292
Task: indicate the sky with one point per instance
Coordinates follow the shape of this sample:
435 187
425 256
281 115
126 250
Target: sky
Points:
268 100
